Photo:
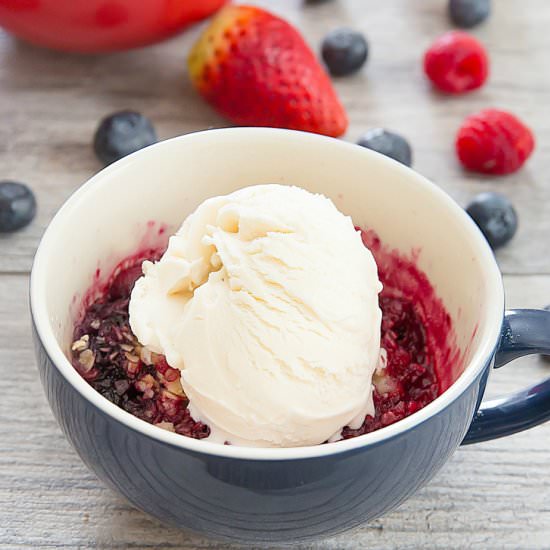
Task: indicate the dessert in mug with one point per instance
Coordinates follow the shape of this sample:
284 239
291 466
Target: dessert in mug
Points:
270 321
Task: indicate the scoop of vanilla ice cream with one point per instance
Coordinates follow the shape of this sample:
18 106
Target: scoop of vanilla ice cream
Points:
267 301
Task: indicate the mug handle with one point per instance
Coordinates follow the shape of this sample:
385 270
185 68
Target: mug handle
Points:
524 332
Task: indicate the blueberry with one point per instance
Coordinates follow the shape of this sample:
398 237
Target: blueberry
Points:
388 143
122 133
469 13
17 206
344 51
495 216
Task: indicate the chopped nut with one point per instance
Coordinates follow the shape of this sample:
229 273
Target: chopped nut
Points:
146 381
146 356
169 395
86 359
81 344
127 347
131 358
132 368
382 362
384 384
156 357
175 387
95 324
147 386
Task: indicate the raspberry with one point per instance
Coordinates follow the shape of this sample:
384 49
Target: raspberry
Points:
456 63
494 142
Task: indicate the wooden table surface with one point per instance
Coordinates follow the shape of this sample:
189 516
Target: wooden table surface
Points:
491 495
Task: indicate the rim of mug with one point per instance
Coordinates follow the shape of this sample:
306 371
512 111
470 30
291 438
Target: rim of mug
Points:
58 358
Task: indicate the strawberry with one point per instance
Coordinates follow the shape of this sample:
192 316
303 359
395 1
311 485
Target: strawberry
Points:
257 70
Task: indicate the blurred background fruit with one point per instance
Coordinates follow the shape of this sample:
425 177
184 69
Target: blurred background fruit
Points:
121 134
469 13
387 143
17 206
100 25
344 51
495 216
456 62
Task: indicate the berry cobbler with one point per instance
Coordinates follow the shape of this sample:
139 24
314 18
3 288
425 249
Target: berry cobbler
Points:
269 320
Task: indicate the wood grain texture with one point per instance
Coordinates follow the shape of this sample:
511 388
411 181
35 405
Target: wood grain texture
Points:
493 495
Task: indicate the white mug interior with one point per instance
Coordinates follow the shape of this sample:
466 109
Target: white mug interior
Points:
106 220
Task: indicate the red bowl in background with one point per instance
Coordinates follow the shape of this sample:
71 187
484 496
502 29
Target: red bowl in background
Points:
100 25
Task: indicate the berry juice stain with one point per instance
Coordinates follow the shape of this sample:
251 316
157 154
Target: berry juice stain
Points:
416 334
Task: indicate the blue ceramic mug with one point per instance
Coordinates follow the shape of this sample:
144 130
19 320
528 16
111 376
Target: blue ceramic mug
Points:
278 495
